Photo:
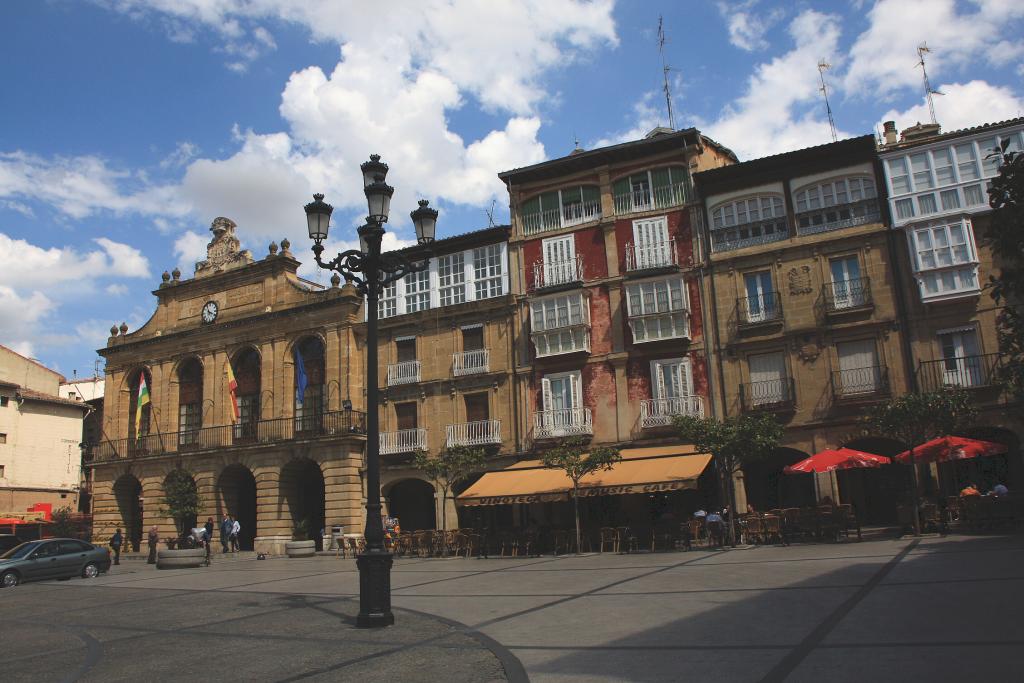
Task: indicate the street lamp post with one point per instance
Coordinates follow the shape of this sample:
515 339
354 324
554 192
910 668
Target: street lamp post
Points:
372 271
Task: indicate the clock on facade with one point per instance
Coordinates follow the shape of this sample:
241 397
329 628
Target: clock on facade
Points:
209 311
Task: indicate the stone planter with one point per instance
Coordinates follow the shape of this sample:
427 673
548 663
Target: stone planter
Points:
300 548
180 559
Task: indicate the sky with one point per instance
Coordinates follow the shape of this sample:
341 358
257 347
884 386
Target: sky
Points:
127 126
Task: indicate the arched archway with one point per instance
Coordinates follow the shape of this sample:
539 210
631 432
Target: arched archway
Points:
181 499
237 488
768 487
302 489
875 492
412 502
128 494
309 378
190 402
246 368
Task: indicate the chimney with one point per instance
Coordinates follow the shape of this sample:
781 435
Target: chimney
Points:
889 128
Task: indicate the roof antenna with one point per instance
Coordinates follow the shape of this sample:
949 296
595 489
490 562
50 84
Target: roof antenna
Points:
922 49
576 142
490 214
823 66
665 69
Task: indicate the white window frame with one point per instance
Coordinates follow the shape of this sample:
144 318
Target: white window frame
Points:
451 278
732 227
858 379
575 378
684 373
387 304
557 329
417 291
489 272
959 275
646 314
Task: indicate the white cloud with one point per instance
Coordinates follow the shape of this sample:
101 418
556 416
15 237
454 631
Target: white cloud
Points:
747 28
183 153
962 105
26 266
82 186
20 316
646 117
781 108
883 58
116 289
190 248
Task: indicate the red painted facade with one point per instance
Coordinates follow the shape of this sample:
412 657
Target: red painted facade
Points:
589 243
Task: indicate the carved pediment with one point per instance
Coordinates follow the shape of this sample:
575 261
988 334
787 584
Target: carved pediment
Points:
224 252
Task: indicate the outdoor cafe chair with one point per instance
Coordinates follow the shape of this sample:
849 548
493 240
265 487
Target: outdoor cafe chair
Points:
662 536
608 537
753 530
625 539
424 542
771 529
697 530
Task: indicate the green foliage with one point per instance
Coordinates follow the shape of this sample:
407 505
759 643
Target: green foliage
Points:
917 418
449 467
1007 286
181 499
573 457
301 530
62 525
734 441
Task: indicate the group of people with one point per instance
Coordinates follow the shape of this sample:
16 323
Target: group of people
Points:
998 491
201 536
229 530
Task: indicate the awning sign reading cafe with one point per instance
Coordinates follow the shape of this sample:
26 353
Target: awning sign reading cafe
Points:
633 488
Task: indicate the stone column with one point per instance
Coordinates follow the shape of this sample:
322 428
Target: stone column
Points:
343 489
273 517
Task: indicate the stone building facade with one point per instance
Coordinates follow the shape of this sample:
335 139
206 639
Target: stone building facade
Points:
291 462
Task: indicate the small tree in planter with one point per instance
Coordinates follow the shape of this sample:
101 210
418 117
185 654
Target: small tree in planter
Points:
62 525
732 443
181 499
301 530
449 467
574 458
917 418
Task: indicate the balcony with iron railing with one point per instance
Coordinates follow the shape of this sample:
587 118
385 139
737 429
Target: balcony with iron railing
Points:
472 362
651 256
969 372
567 272
565 217
764 232
772 395
659 412
838 217
667 196
403 441
258 432
760 309
479 433
407 372
549 424
860 384
847 296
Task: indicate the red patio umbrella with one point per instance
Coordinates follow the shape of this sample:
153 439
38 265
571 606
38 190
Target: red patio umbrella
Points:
946 448
839 459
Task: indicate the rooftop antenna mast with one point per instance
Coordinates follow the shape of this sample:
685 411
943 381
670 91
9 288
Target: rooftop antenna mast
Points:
922 49
490 214
665 68
824 66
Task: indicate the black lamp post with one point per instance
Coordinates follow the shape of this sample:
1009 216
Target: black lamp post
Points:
372 272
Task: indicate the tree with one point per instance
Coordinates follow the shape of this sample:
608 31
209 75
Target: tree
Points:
732 443
181 499
917 418
449 467
1006 196
62 524
573 457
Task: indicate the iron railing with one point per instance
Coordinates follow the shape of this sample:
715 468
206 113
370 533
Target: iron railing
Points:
659 255
663 197
403 441
335 423
839 217
772 394
720 241
970 372
568 216
555 273
855 384
471 362
847 294
479 433
407 372
658 412
562 422
760 308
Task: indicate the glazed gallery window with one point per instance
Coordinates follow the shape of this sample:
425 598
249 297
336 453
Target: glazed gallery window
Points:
488 271
417 291
451 279
561 208
387 305
836 204
559 324
657 309
655 189
748 221
945 258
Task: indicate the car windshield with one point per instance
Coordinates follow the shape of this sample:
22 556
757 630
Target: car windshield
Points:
21 551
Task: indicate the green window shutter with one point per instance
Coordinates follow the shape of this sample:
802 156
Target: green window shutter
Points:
621 187
591 193
551 215
660 177
530 206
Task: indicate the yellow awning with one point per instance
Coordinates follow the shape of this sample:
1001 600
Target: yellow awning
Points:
642 470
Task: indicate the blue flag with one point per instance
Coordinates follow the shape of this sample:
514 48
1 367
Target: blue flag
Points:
300 378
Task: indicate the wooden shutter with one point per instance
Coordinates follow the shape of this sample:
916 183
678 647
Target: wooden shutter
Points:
547 400
476 407
406 415
472 338
406 349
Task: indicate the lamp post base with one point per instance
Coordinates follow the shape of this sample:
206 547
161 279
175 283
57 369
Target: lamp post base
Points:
374 589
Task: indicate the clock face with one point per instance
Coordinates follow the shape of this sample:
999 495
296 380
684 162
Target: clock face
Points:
209 311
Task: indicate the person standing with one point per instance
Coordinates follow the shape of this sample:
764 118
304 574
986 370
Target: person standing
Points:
225 532
153 539
115 544
209 529
235 529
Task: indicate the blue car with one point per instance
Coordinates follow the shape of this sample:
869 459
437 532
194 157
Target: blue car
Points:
52 558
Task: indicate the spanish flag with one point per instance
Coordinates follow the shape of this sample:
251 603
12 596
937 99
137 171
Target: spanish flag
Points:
142 400
232 389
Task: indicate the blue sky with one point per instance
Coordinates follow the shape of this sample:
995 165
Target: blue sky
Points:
127 126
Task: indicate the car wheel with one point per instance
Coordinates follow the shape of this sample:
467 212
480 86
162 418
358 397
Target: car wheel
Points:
91 571
9 580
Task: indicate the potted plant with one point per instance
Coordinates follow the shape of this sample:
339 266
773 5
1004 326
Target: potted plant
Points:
301 544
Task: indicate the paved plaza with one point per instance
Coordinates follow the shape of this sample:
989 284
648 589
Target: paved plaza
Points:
936 609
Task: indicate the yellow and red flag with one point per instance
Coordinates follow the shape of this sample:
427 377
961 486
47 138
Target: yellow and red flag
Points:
232 391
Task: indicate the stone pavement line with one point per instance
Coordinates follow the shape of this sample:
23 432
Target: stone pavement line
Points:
798 654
